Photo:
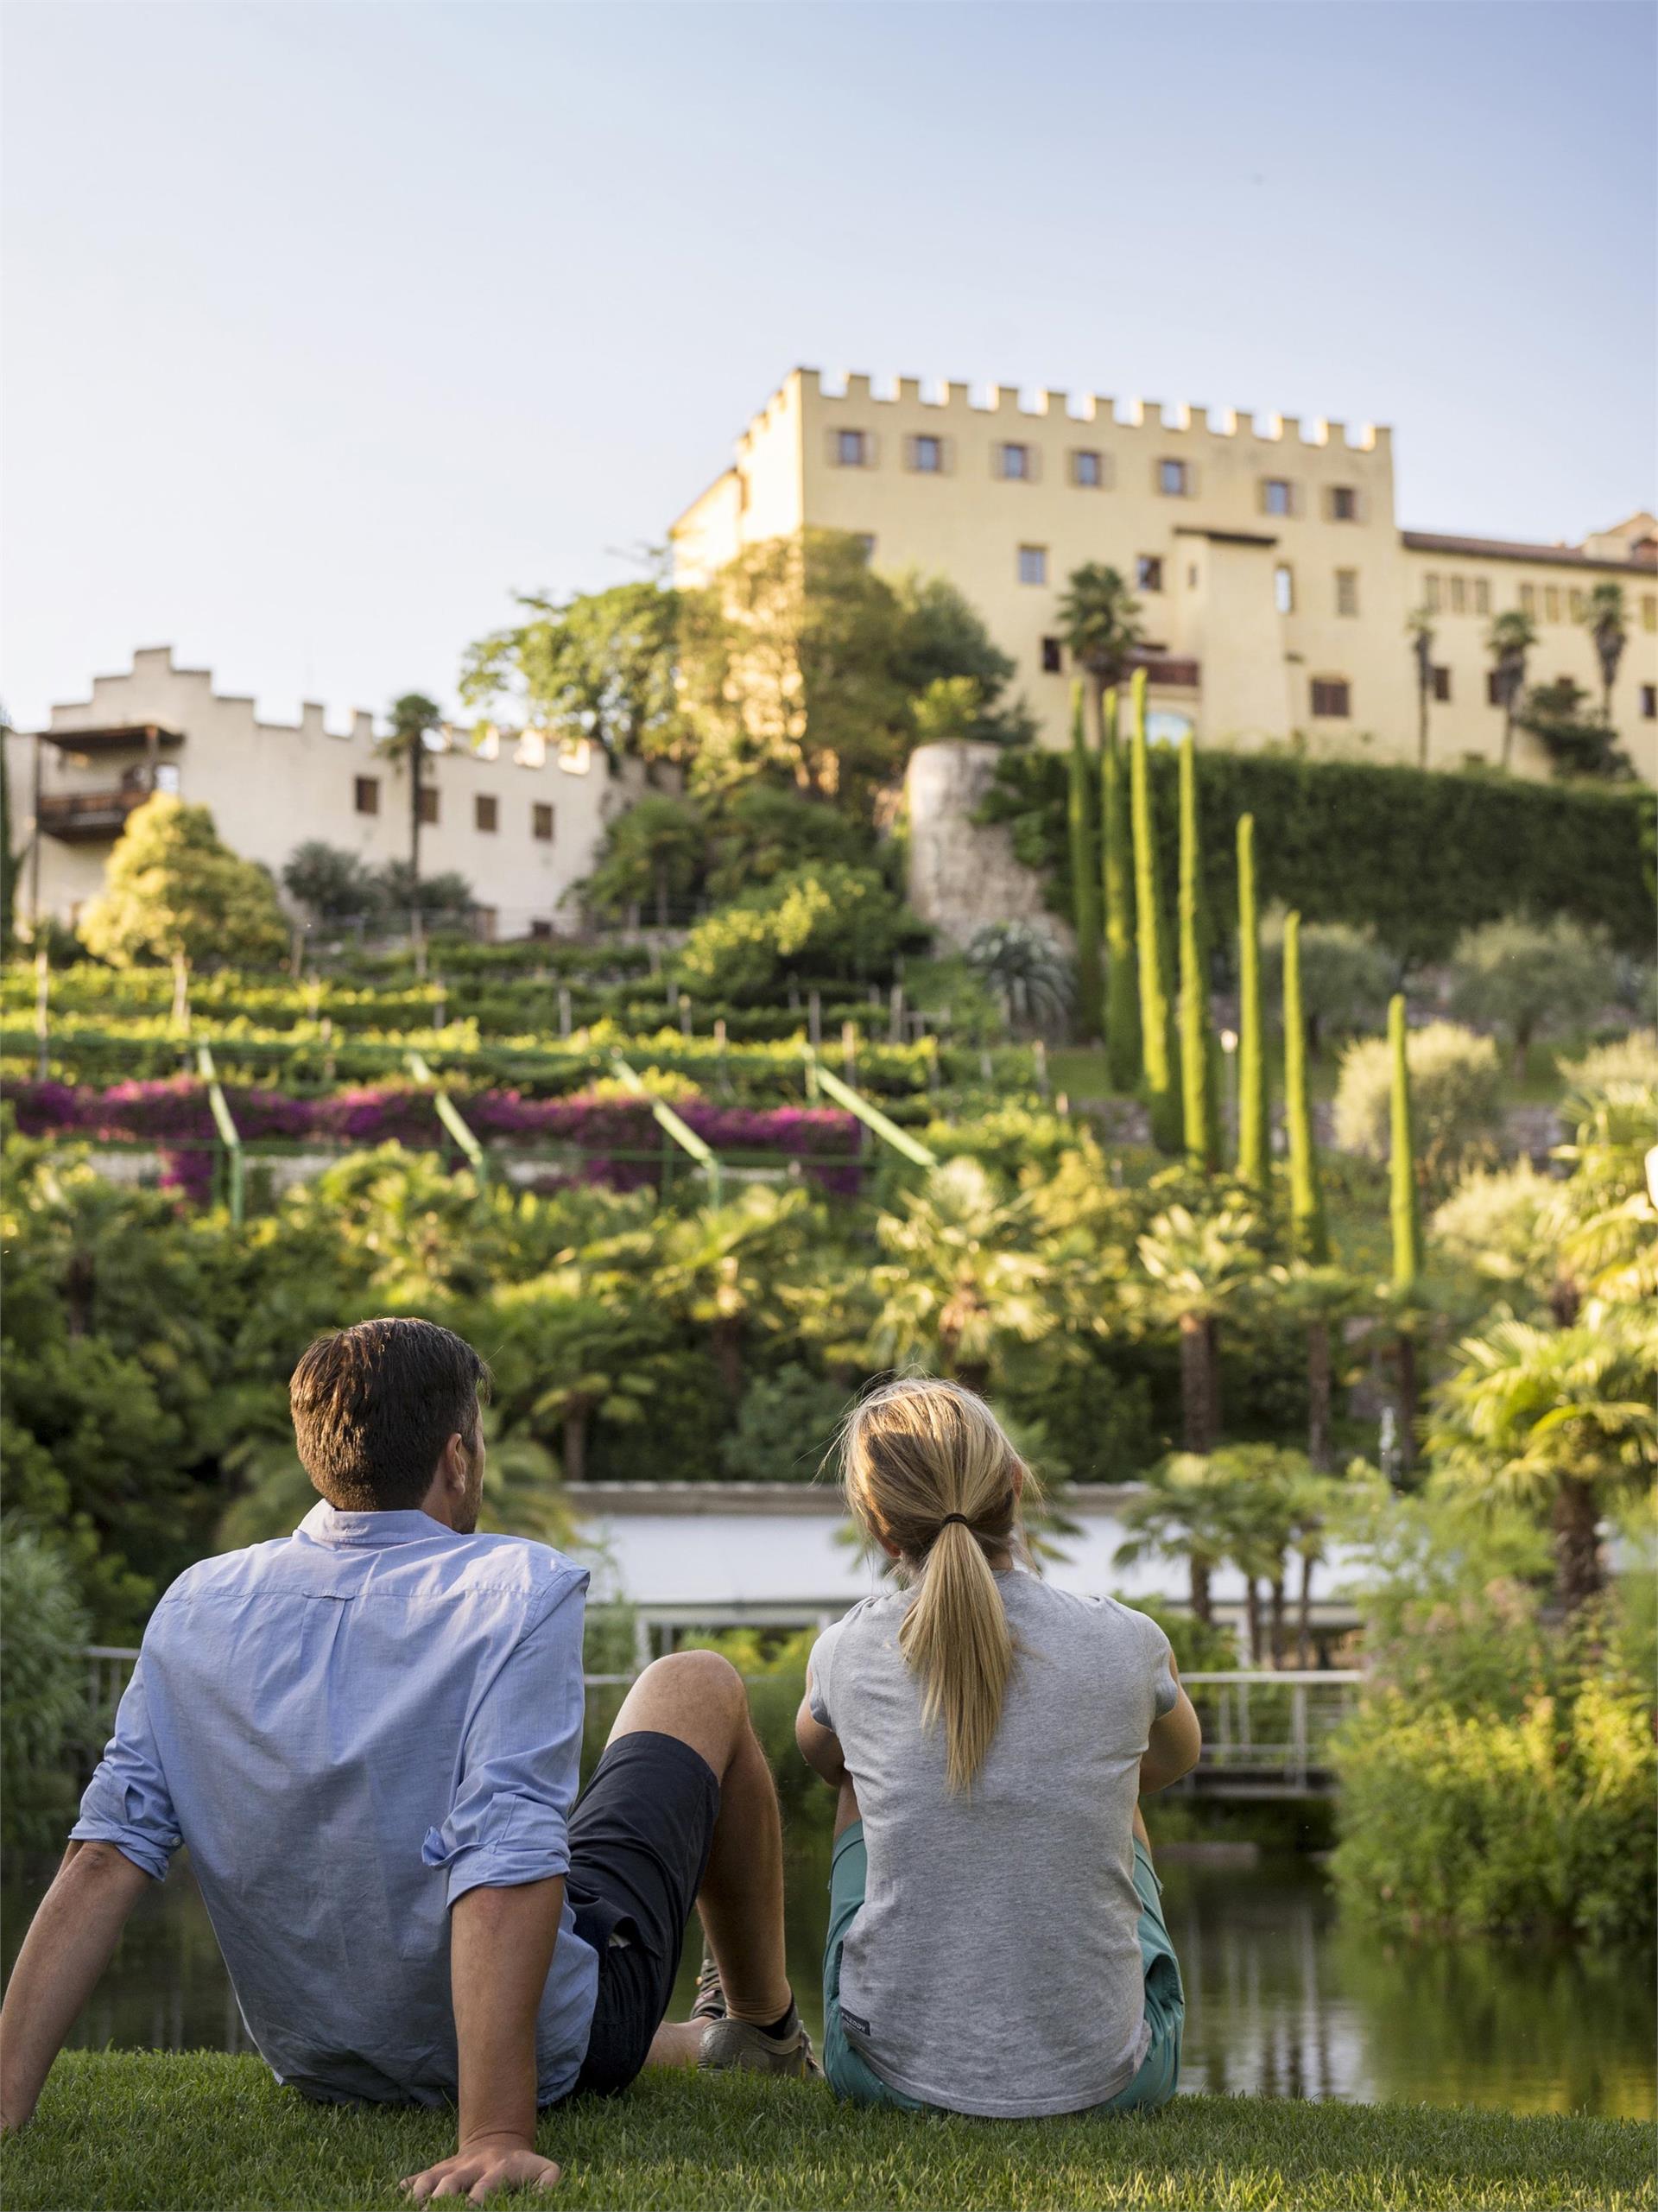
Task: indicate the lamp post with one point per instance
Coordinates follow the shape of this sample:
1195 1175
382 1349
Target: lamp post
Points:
1229 1046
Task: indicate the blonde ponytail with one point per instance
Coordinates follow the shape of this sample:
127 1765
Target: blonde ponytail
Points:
927 1467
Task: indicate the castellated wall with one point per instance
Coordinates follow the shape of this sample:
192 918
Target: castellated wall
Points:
962 873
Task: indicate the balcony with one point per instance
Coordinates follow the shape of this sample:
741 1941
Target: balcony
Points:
89 817
1162 674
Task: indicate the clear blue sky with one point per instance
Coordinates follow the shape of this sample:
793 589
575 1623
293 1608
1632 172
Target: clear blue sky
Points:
327 326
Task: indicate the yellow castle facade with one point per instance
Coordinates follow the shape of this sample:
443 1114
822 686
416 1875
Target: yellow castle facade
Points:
1275 585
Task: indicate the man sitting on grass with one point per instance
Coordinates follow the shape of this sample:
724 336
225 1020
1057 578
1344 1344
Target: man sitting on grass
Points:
372 1727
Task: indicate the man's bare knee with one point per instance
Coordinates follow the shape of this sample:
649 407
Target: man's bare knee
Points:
698 1696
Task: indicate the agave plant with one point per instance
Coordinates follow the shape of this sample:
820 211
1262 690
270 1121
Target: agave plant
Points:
1020 962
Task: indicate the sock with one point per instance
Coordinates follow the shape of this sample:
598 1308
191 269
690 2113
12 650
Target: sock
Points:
779 2028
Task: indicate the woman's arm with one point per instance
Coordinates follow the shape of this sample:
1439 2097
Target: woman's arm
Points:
1174 1742
819 1746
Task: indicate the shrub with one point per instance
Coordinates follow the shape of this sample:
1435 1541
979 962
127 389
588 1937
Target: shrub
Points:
173 891
784 1427
762 832
1522 978
42 1696
1346 977
831 921
1456 1100
1417 855
1496 1223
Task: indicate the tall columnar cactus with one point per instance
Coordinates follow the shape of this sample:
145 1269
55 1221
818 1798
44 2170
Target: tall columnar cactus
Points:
1253 1144
1084 875
1309 1237
1402 1162
1197 1044
1116 862
1157 1058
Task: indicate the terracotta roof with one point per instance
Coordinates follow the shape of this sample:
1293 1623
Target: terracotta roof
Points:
1493 549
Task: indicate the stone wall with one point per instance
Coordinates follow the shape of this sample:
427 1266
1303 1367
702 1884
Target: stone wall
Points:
962 873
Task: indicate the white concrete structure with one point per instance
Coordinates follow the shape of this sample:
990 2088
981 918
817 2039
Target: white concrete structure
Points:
519 819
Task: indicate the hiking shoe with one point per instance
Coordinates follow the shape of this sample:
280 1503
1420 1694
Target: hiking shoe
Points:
733 2045
710 1997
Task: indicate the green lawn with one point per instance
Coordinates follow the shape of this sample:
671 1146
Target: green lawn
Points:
138 2129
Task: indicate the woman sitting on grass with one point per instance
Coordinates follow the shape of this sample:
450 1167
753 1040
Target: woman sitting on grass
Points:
996 1940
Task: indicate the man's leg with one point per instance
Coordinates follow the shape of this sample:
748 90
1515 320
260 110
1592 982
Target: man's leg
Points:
700 1698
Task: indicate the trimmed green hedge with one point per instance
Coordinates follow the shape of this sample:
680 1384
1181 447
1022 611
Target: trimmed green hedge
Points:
1417 856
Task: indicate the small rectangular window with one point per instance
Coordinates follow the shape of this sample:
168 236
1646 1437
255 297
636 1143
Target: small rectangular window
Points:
1276 498
485 811
1482 596
852 448
1343 504
1459 596
368 795
428 803
1332 698
1053 658
1346 590
1493 688
1431 598
1013 463
541 821
1551 603
1577 603
1174 480
1148 573
538 928
1649 702
1088 471
1650 610
1283 588
927 455
1442 683
1528 600
1033 564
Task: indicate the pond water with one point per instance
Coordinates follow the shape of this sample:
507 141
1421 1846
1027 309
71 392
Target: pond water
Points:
1283 1999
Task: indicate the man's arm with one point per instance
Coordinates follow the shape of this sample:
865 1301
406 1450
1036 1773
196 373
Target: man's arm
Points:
501 1944
68 1945
1173 1744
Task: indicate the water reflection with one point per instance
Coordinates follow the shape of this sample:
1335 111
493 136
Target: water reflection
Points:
1281 2000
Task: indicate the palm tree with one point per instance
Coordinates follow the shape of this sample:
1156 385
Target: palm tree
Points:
1197 1267
414 720
1100 624
1509 638
724 1266
961 1279
1608 624
1187 1510
1556 1418
1020 962
1420 624
1320 1297
567 1350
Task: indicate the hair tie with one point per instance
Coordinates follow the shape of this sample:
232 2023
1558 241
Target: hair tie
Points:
962 1518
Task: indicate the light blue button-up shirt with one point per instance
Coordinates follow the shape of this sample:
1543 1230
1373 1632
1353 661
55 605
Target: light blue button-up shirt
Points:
348 1728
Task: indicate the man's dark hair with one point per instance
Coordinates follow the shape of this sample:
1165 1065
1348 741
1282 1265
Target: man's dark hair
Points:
374 1406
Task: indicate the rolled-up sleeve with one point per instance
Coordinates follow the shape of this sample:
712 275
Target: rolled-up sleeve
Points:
127 1803
519 1762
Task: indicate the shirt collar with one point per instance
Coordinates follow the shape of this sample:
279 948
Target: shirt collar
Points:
325 1524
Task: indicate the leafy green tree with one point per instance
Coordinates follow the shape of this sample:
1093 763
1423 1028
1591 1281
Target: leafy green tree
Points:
760 832
961 1279
1158 1073
941 640
1197 1034
1508 641
1254 1130
333 882
414 720
172 891
1099 621
1308 1236
447 897
1605 617
1346 977
1524 978
784 1426
1196 1268
1085 876
1116 862
600 665
1022 964
1319 1297
568 1351
652 852
1187 1508
1456 1101
1580 741
42 1691
726 1268
831 921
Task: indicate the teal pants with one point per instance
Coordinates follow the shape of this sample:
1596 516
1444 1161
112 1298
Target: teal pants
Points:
851 2076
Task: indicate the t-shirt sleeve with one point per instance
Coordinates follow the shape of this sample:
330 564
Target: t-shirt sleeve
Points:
820 1670
1165 1691
516 1779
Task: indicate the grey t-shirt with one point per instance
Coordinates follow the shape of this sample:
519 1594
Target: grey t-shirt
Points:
995 1967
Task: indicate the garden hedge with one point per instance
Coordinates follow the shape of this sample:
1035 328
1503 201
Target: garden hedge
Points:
1417 856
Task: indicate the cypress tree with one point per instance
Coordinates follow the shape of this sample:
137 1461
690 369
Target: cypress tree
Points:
1122 990
1309 1239
1254 1150
1406 1222
1197 1055
1084 875
1156 1058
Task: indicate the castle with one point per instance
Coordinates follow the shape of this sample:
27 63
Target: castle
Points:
1275 584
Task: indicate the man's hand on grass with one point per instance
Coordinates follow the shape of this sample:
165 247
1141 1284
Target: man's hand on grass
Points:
478 2170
